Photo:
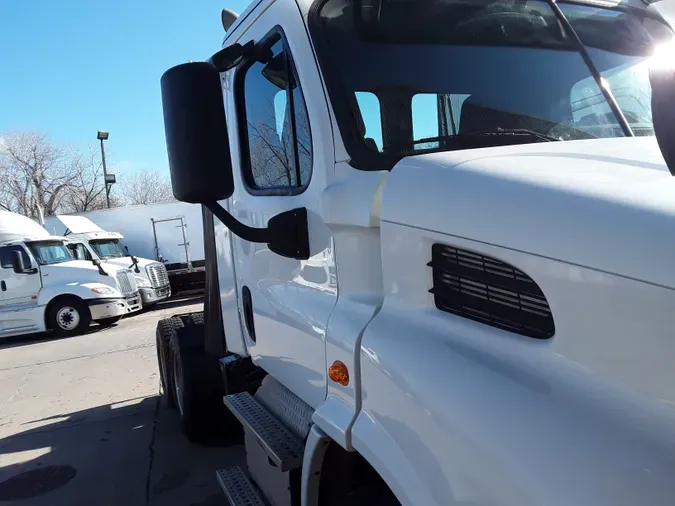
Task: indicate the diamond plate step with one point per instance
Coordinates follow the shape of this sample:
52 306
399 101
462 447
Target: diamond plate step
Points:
280 445
238 487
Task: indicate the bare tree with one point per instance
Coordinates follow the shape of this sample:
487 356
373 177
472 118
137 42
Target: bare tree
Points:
35 174
280 144
87 192
145 187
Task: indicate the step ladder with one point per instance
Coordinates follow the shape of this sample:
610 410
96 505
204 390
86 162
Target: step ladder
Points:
283 447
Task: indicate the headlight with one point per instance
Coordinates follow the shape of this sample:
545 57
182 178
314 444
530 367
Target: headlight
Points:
103 290
142 282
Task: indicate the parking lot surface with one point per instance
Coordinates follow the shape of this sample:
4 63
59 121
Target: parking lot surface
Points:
82 422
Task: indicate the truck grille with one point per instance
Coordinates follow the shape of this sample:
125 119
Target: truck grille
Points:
127 282
158 275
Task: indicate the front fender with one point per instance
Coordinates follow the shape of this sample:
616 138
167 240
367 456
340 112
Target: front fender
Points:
83 291
456 414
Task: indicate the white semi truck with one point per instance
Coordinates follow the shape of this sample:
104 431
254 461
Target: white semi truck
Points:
439 244
44 288
169 233
88 241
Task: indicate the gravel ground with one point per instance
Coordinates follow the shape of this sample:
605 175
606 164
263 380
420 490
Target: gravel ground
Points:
82 423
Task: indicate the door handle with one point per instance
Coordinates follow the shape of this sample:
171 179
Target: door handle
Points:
247 301
3 286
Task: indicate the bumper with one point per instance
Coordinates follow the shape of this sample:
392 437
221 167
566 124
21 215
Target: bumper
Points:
101 309
152 295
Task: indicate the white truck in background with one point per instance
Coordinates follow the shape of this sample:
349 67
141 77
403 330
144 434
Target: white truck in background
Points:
481 183
169 233
88 241
43 288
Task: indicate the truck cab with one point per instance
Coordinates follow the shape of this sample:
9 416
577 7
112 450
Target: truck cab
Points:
88 241
44 288
481 183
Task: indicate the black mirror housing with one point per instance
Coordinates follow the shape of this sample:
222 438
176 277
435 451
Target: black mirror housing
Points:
196 133
663 112
17 262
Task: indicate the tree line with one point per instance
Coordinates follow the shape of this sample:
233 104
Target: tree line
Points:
36 173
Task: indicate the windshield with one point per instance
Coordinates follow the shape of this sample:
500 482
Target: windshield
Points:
50 252
108 248
409 77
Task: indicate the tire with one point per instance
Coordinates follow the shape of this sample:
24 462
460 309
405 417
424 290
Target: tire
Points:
165 329
107 322
196 318
199 390
68 316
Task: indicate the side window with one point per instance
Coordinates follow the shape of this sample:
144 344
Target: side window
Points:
79 251
6 256
436 116
369 107
277 141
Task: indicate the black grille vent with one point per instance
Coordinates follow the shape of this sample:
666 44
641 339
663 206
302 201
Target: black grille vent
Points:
489 291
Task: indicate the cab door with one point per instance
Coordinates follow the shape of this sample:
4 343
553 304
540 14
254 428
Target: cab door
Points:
18 292
282 151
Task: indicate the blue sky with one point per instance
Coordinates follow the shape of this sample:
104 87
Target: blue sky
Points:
70 68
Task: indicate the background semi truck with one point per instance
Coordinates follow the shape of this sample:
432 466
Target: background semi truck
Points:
439 252
88 241
43 288
170 233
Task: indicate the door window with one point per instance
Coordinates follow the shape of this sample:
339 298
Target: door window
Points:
277 144
435 115
6 256
80 252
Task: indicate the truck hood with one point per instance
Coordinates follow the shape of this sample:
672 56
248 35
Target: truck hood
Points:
78 271
607 204
126 262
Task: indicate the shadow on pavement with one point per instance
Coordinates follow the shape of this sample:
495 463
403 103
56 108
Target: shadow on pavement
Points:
41 338
126 453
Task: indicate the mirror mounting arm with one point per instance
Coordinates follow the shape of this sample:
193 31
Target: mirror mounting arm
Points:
231 56
286 234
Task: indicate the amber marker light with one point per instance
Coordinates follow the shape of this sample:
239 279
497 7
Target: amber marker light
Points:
339 373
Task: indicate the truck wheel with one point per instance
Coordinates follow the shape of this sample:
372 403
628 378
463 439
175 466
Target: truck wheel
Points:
199 391
107 322
68 316
165 329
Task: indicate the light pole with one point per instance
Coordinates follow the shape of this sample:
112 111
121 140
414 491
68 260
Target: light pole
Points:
109 179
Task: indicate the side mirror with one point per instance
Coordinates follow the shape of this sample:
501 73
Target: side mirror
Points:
18 265
275 71
134 264
196 133
199 150
663 112
97 263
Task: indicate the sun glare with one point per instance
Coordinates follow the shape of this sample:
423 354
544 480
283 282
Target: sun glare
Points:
663 57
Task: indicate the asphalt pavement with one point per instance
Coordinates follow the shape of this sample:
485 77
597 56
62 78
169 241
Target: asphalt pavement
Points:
82 422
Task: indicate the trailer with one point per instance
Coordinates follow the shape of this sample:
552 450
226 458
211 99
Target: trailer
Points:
170 233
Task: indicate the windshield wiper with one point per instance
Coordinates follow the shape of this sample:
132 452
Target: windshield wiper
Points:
499 131
511 135
597 77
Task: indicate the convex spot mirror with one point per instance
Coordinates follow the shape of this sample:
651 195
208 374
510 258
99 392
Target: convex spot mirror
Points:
196 133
